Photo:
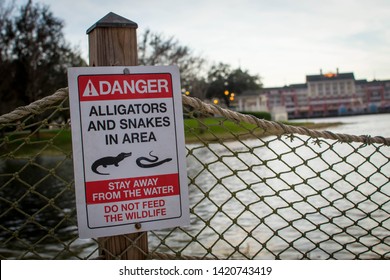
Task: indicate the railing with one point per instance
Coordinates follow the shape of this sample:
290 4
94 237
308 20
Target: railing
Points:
258 189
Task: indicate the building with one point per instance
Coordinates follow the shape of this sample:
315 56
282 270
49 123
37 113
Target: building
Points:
326 94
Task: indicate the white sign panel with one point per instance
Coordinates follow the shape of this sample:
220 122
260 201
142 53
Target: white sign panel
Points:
128 149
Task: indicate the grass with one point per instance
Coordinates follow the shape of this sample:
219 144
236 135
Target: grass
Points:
23 143
57 141
215 129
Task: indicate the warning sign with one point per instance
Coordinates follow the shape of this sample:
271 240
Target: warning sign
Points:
128 149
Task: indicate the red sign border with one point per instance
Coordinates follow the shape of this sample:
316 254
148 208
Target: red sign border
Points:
81 88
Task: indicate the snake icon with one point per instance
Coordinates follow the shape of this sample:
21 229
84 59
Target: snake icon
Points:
150 162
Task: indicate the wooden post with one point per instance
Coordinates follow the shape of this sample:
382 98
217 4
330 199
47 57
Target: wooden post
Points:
113 42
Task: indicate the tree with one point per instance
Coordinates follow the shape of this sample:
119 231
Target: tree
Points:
34 55
156 49
217 78
223 82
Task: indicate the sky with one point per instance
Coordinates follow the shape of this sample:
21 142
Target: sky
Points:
282 41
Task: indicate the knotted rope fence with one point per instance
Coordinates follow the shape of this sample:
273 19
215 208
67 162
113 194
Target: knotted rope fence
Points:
275 127
258 189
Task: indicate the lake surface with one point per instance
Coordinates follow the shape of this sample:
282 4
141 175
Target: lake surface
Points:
249 199
373 125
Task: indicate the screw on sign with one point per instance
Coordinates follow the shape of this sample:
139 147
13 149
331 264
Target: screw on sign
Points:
129 154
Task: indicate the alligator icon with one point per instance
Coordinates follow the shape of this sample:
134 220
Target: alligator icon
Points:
145 162
106 161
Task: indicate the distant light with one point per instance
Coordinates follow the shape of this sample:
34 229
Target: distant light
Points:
215 101
187 93
231 98
330 75
226 92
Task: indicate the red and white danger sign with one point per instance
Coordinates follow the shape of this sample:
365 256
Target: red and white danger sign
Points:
128 149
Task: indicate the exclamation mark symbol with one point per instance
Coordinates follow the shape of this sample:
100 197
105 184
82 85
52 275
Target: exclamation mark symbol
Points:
90 90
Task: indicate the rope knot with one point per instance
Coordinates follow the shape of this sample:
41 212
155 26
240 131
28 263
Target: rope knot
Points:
367 140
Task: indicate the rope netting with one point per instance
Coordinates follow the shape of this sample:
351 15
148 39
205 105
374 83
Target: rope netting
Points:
257 189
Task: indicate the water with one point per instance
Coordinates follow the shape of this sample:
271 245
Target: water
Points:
38 216
373 125
244 204
256 199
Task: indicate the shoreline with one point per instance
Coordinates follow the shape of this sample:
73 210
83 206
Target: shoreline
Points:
196 131
236 132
